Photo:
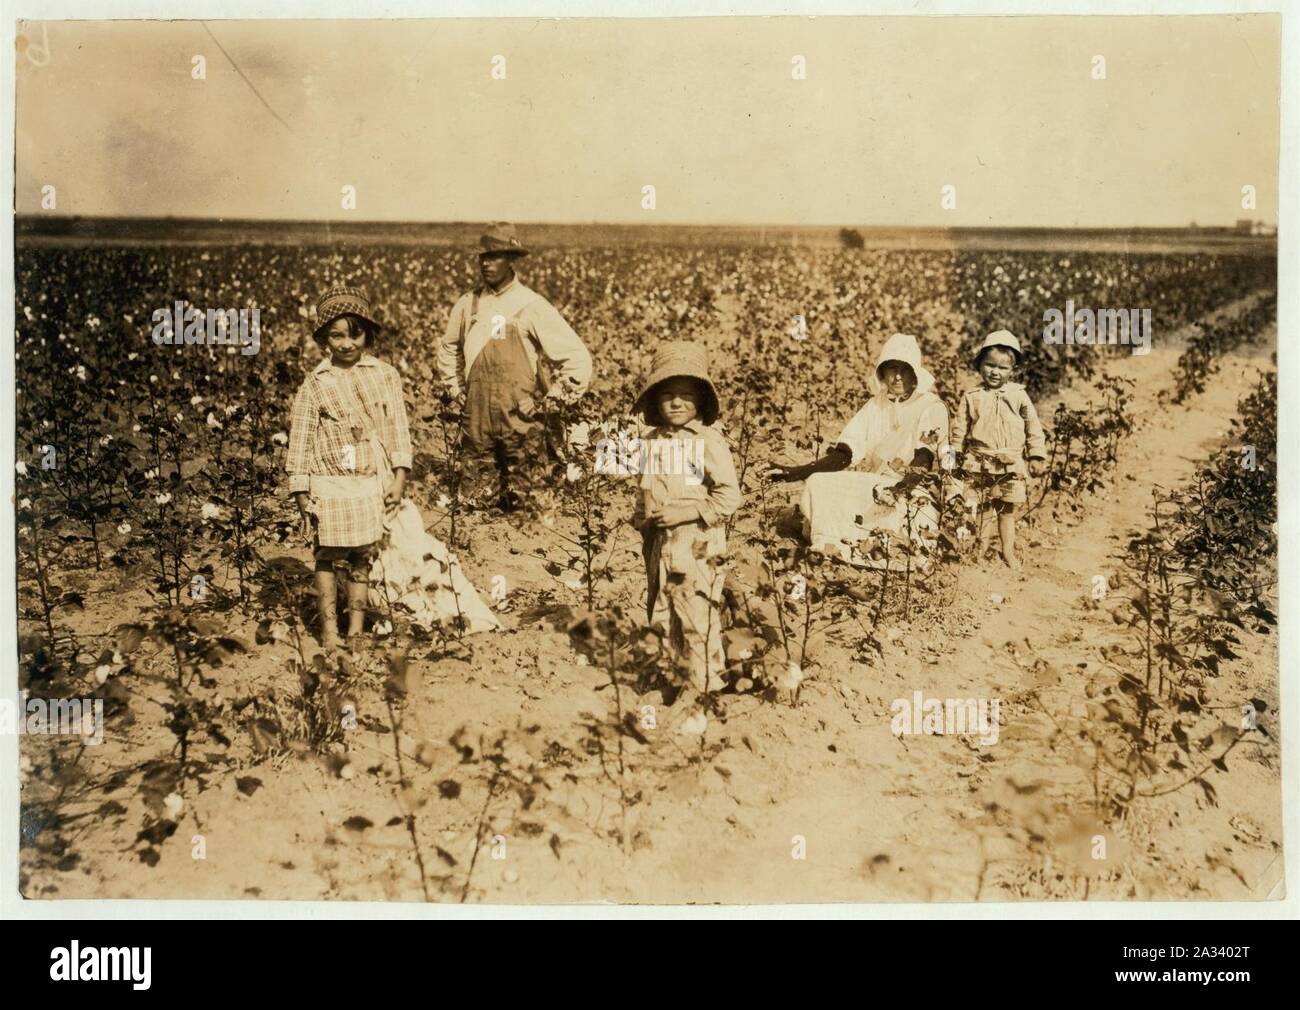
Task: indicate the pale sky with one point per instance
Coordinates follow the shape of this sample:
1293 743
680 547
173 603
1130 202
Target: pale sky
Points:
705 110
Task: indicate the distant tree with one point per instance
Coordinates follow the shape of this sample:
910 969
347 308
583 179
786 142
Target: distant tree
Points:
851 238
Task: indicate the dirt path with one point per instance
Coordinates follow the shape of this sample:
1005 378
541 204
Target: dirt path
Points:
899 818
875 816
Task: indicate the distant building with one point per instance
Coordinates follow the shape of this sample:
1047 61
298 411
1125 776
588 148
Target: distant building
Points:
1245 225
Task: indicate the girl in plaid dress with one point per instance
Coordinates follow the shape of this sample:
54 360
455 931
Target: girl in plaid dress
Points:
349 454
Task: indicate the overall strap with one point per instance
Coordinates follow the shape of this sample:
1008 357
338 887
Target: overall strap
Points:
467 321
530 337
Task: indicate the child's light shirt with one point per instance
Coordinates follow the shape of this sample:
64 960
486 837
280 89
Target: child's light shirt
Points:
997 429
690 465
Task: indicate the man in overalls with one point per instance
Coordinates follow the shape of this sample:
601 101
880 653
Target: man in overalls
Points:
510 352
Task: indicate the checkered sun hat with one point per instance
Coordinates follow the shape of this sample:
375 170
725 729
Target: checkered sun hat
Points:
342 301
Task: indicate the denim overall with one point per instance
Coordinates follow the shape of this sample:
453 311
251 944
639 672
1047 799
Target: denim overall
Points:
501 377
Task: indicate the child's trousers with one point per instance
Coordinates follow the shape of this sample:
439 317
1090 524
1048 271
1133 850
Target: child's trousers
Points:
685 601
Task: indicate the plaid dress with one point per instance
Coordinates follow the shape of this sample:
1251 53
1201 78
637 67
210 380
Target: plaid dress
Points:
348 430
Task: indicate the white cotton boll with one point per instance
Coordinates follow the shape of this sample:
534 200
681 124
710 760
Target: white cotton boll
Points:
695 725
280 438
174 803
580 435
212 420
21 468
211 511
102 673
124 528
195 400
793 677
163 499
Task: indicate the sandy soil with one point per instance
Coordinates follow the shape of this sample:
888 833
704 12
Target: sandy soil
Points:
719 817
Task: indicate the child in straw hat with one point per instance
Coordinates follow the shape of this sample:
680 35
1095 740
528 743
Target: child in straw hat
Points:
688 490
349 453
995 428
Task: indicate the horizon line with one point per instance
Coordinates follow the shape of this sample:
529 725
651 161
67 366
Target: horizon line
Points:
28 217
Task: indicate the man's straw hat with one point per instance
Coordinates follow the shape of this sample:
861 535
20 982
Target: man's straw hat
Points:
501 237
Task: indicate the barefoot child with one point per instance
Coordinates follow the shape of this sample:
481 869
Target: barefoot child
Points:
688 490
995 428
349 453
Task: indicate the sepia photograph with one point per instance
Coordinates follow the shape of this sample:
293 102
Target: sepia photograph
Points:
521 461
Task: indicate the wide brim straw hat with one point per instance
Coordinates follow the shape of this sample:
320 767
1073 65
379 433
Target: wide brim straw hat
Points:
501 238
1000 338
678 359
342 301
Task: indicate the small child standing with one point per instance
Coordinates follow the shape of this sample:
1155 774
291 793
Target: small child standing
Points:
688 491
349 454
996 426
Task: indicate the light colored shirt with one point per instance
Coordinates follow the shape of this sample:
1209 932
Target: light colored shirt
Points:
885 430
999 426
536 317
713 491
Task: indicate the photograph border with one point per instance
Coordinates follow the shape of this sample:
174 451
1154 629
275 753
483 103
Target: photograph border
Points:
13 906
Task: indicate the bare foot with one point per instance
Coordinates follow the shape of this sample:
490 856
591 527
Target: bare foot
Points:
1011 561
